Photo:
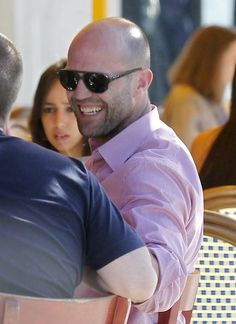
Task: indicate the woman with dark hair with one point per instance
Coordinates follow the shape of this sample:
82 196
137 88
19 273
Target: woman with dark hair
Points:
198 79
52 122
214 151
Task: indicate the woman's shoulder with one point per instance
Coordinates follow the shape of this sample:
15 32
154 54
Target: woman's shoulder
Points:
209 134
202 144
180 91
181 97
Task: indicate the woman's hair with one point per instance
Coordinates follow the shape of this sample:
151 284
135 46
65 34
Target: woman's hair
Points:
219 166
46 81
198 63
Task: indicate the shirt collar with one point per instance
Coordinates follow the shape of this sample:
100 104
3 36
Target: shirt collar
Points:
118 149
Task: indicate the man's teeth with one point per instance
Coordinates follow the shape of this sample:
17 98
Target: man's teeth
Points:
90 110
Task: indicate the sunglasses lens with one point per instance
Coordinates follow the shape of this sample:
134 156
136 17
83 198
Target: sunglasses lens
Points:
68 79
96 82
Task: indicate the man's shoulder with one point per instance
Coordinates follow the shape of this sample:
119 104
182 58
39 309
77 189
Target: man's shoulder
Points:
37 159
161 162
147 162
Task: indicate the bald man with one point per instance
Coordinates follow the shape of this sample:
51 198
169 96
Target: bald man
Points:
143 166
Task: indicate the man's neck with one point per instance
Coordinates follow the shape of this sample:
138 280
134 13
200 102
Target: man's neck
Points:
95 142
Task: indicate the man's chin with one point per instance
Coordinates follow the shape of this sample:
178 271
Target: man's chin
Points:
90 133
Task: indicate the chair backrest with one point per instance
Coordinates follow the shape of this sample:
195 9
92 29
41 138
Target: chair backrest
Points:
222 198
220 226
216 297
16 309
185 304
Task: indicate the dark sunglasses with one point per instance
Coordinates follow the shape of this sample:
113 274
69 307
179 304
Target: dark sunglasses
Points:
94 81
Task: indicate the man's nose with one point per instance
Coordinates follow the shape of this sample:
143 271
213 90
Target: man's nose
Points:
81 91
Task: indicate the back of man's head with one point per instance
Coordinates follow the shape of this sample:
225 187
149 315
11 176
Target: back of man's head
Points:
10 76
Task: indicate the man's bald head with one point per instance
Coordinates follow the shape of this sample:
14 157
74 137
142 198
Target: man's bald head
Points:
10 75
118 50
120 36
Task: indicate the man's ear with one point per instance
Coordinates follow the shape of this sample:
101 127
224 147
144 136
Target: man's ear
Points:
144 81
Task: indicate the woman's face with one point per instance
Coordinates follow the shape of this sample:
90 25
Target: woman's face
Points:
59 122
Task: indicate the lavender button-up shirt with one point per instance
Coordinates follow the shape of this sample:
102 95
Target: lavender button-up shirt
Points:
150 175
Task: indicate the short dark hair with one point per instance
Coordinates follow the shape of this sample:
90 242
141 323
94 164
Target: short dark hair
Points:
11 69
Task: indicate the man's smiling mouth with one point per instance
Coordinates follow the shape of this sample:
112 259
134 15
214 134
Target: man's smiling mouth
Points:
90 110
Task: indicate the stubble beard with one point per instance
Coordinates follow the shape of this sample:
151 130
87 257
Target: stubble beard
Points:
113 121
104 127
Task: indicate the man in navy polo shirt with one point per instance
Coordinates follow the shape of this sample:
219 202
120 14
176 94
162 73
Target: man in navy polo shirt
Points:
55 219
